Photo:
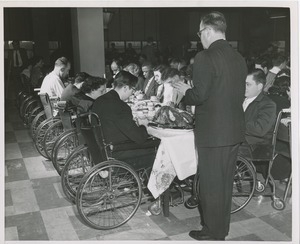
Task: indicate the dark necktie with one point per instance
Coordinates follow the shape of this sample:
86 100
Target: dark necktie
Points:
17 59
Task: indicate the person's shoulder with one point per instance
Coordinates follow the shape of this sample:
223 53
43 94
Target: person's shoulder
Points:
267 100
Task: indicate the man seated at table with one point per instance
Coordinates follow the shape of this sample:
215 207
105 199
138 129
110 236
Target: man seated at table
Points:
150 85
53 82
260 113
118 125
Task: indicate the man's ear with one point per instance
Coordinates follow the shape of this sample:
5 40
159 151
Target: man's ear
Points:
260 86
63 69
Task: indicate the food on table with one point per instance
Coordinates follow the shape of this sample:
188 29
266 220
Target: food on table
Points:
173 117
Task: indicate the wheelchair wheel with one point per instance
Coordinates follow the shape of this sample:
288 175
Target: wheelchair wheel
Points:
23 105
78 163
278 204
20 98
39 118
34 112
63 147
28 110
243 185
40 134
51 135
108 195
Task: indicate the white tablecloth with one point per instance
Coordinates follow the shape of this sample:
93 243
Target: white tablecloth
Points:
176 155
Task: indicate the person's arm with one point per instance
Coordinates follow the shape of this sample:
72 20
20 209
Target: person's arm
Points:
58 88
202 79
127 126
264 121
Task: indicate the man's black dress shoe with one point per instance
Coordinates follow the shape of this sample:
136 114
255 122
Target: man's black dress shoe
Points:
191 202
201 236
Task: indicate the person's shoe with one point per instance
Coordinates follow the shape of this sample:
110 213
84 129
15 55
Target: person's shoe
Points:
202 236
191 202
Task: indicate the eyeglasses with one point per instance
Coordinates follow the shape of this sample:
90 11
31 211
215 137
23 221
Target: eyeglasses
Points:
200 32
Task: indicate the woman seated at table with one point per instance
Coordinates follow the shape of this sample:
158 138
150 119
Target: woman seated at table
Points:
136 71
91 89
170 95
74 87
118 125
158 71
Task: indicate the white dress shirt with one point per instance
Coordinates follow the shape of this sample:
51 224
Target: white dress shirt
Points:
53 85
148 84
247 101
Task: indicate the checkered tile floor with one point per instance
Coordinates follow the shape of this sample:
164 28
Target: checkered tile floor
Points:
36 208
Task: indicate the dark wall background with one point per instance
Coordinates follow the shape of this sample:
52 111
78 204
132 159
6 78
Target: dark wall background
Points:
253 28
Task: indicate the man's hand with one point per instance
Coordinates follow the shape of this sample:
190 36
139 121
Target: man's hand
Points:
181 87
143 122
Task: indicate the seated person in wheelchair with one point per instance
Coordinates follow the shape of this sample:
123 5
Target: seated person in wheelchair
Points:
92 88
260 113
53 83
74 87
118 125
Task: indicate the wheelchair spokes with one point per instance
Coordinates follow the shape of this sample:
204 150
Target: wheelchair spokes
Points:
109 196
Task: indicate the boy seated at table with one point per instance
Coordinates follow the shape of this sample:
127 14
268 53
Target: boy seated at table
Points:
118 125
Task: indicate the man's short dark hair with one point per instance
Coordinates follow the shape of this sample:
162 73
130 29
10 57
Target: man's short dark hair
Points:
80 77
215 20
258 76
147 64
169 73
92 83
124 78
264 61
62 62
278 59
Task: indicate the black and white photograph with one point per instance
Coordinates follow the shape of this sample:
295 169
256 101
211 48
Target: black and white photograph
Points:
150 121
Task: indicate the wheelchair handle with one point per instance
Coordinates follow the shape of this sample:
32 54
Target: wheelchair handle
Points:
91 114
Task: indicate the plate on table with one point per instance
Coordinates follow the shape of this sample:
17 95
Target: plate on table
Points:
166 126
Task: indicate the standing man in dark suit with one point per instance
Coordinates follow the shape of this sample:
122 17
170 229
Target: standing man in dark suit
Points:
17 60
219 74
150 85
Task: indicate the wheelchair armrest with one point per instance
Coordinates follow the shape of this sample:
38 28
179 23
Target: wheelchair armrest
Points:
129 145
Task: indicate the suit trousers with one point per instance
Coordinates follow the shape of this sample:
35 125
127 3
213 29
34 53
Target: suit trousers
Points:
216 167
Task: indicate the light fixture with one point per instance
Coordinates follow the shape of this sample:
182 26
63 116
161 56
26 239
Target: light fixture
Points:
107 16
277 17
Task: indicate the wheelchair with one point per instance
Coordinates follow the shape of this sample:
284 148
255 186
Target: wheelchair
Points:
245 182
107 191
67 114
43 121
268 153
68 141
28 104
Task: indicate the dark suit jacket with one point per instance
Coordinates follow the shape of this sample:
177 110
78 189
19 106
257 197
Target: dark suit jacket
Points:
117 121
152 88
23 55
140 84
219 75
280 101
260 118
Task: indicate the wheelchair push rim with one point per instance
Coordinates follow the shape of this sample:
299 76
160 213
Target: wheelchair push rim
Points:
109 195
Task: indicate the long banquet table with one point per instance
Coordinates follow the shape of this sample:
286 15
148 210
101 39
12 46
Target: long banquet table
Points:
176 156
